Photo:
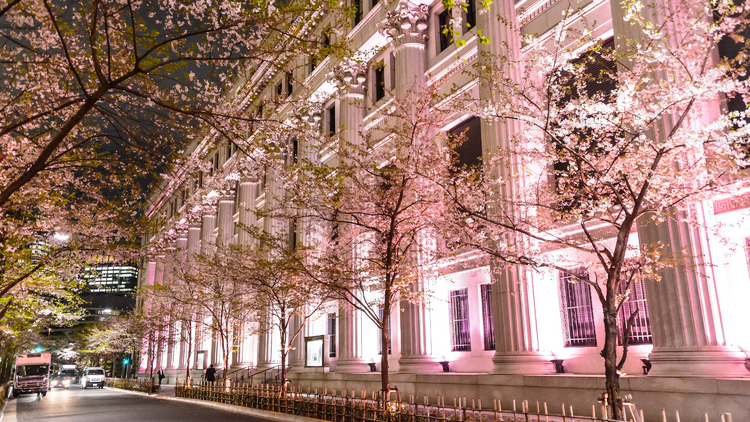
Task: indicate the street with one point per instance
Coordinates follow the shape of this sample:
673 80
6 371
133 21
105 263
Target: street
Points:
95 405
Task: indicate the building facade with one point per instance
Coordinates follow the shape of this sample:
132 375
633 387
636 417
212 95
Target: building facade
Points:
498 337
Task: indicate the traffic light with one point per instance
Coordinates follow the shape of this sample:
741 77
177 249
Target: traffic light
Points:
125 361
38 349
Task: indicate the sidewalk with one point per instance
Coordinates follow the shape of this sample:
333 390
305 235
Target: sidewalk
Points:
167 393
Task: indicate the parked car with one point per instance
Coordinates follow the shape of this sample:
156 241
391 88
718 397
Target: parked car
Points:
92 377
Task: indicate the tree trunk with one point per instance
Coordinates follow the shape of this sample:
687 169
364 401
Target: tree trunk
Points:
610 362
189 353
385 341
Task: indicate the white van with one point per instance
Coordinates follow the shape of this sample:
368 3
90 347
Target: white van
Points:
92 377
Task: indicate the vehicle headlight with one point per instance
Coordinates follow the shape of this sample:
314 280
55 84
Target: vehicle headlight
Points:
66 382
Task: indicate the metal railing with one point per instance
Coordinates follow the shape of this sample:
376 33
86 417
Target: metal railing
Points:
348 406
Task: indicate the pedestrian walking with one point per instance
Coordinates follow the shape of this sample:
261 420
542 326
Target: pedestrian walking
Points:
160 374
211 374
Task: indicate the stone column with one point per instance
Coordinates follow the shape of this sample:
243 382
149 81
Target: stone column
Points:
182 242
685 311
246 209
350 356
267 349
685 314
517 349
161 336
350 78
406 27
225 220
150 277
207 230
297 356
193 241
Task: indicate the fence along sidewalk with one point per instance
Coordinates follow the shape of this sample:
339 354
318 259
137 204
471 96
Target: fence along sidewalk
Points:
345 406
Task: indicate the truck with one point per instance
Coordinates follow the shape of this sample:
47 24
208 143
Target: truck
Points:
32 373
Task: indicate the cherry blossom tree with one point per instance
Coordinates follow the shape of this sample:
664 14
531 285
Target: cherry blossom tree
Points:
601 143
220 300
98 97
372 213
274 268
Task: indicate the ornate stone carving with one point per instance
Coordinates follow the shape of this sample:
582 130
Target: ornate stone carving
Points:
310 116
350 77
407 24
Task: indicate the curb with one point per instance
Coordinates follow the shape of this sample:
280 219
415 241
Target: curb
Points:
263 414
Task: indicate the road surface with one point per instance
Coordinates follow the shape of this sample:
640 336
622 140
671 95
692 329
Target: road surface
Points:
104 405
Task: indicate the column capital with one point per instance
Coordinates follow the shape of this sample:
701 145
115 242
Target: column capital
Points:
407 24
349 77
310 116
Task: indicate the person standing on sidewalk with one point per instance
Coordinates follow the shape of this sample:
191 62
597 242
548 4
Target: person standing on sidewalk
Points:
211 374
160 374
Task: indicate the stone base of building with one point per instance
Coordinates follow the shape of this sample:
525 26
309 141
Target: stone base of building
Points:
526 364
693 397
710 363
352 366
418 365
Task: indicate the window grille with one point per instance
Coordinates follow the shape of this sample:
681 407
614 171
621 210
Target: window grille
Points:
640 333
578 313
459 313
332 335
487 322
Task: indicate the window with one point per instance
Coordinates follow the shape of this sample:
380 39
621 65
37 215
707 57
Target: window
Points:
261 186
357 5
379 69
374 2
444 20
332 335
640 333
293 234
228 151
332 120
216 161
578 312
570 167
295 151
471 16
279 89
289 86
732 50
485 290
380 339
313 63
469 153
459 314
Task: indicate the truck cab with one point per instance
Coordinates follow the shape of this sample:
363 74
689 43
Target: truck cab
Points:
32 374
